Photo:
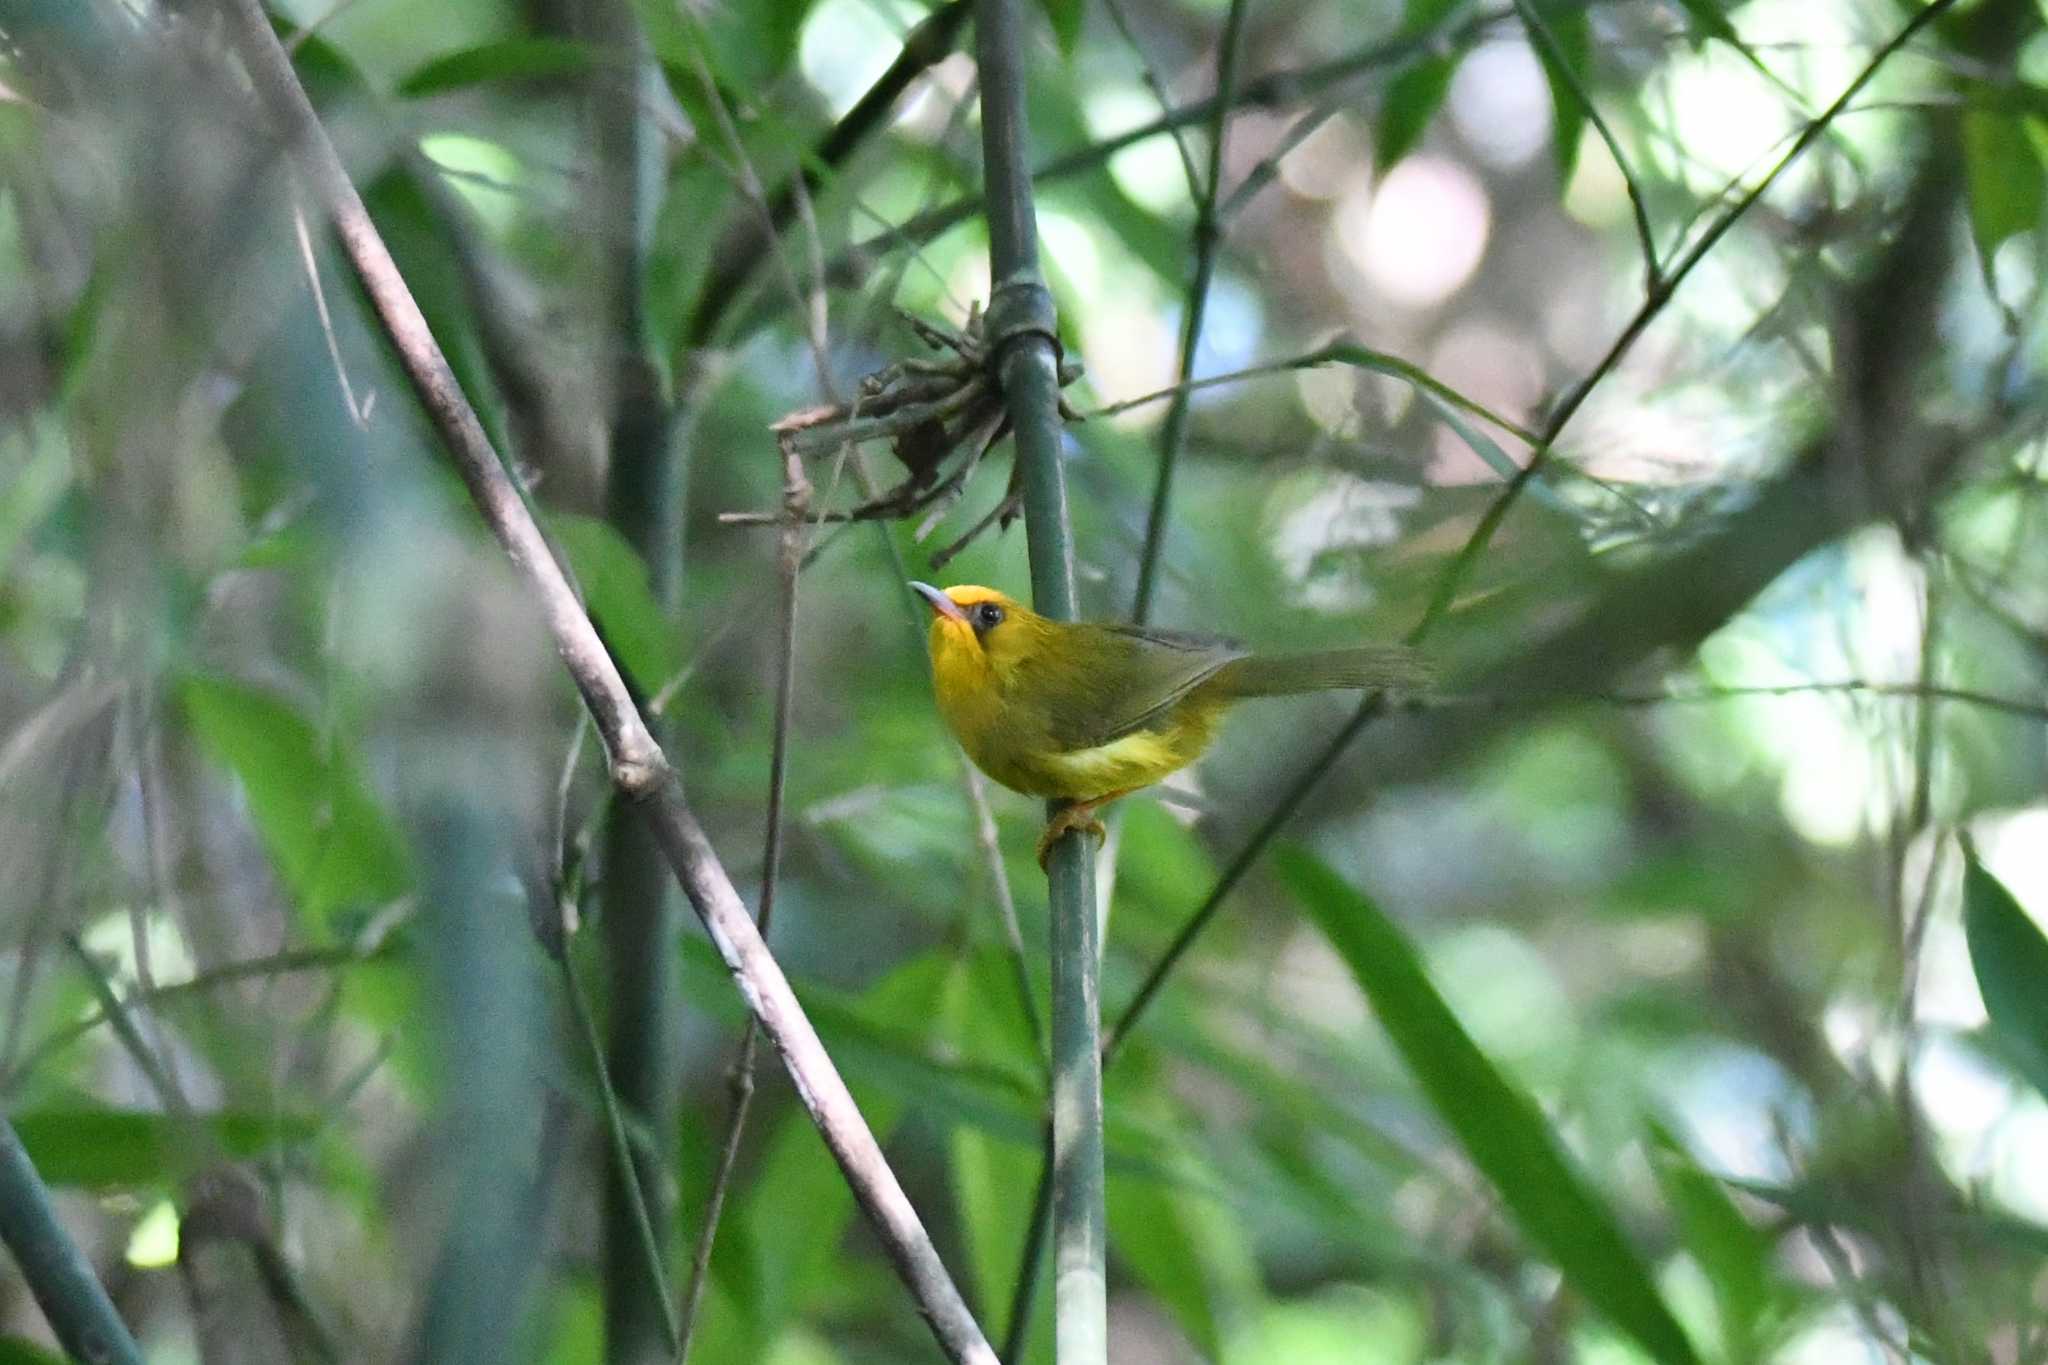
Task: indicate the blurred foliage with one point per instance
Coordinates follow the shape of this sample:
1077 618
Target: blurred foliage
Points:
1667 986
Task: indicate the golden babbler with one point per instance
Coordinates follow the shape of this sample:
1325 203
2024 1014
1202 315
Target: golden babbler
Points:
1089 711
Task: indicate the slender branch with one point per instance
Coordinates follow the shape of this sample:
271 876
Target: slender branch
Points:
160 1079
1006 903
1022 336
56 1272
1337 353
1379 362
276 964
1208 233
1547 40
795 496
623 1162
1482 534
1991 701
1031 1259
747 244
977 795
1150 75
1653 304
638 767
1268 167
1254 848
1267 91
1697 696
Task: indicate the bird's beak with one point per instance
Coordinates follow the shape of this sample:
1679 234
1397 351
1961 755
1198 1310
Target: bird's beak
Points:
941 604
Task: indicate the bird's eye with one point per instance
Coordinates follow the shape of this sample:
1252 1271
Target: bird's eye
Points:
987 615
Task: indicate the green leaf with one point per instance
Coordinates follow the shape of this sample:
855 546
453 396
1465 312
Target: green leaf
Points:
1419 16
2010 956
1572 32
617 590
1065 17
15 1351
513 59
1500 1128
331 841
1411 102
1150 1232
1714 24
2003 167
103 1148
1735 1256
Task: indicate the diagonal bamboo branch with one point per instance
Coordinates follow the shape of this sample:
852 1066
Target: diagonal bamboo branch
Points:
57 1273
639 769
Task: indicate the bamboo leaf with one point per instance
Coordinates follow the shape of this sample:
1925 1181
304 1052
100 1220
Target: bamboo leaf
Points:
1500 1128
2010 956
1734 1254
107 1148
1066 17
1713 23
2003 166
621 599
1572 31
512 59
1149 1230
1411 102
330 839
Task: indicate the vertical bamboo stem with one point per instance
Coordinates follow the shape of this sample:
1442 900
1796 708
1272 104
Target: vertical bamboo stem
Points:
1021 328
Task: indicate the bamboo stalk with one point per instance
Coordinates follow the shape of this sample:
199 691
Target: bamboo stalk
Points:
1023 341
78 1309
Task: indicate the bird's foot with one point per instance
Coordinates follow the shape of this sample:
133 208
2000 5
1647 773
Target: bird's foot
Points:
1079 816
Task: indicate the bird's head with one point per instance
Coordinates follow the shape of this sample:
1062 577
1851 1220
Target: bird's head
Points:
979 634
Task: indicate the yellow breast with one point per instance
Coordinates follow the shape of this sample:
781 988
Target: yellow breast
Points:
1011 744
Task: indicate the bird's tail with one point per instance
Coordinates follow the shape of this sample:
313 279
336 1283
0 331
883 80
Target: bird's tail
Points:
1323 670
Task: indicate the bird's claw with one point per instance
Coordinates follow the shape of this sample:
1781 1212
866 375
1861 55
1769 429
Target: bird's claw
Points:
1068 819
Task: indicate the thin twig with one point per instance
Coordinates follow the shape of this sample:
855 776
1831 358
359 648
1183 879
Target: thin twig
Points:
357 412
1547 41
1914 691
1653 304
1006 904
1273 88
1254 848
1149 74
1336 353
796 491
923 48
277 964
1380 362
621 1146
638 767
1482 534
111 1008
1024 1293
1268 167
1208 233
977 795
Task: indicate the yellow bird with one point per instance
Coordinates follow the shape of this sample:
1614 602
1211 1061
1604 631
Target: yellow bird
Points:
1090 712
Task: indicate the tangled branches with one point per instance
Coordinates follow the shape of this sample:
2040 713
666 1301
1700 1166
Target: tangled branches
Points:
934 413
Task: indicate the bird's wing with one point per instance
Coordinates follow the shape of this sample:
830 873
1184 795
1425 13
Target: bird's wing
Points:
1114 680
